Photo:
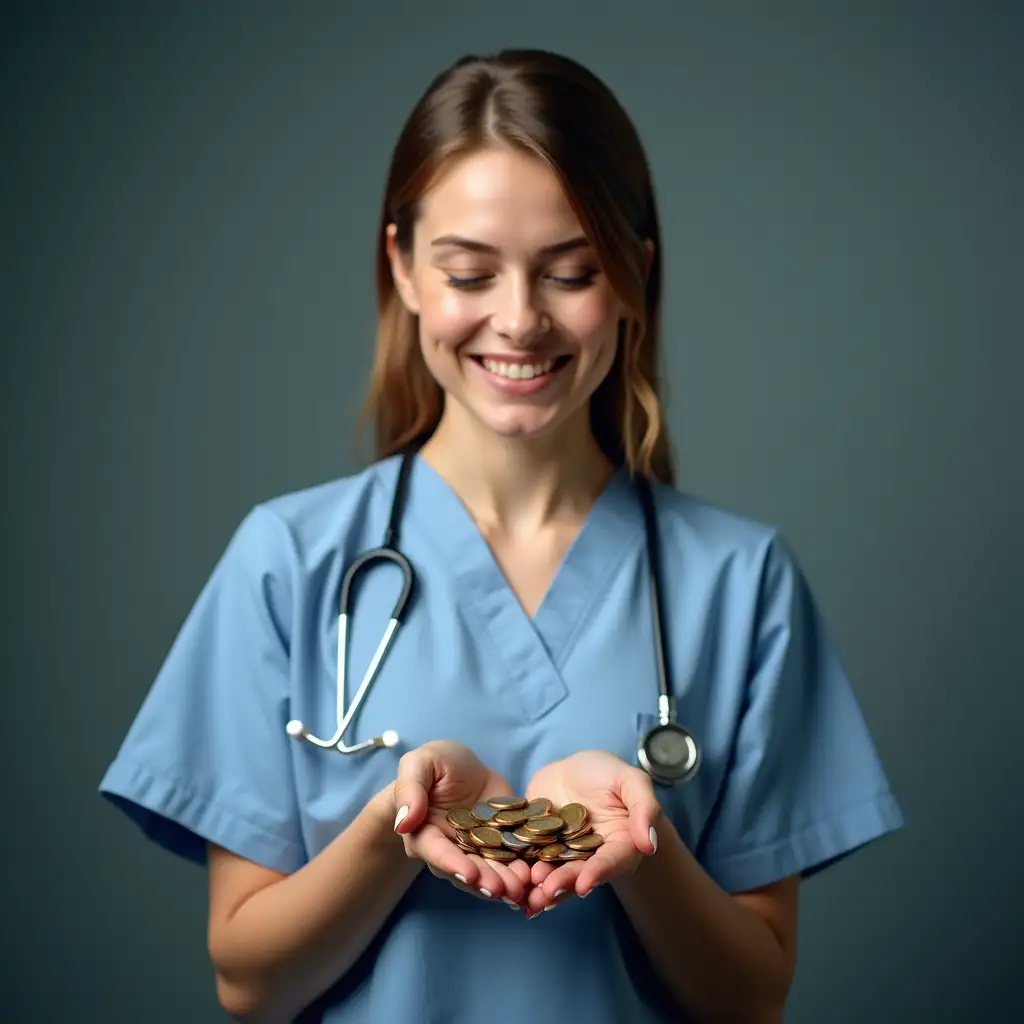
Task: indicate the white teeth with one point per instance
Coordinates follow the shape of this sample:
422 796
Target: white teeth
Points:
518 371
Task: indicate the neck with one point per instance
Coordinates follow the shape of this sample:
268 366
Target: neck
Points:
519 486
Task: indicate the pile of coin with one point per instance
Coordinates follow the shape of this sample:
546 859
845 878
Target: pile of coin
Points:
507 828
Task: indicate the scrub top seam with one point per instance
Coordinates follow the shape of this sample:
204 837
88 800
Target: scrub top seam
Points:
196 801
879 799
561 655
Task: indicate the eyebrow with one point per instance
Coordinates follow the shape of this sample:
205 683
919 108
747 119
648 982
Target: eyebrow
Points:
457 241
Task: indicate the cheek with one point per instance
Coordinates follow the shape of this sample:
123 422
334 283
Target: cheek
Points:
592 320
446 317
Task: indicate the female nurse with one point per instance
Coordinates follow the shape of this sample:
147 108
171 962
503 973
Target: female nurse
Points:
519 269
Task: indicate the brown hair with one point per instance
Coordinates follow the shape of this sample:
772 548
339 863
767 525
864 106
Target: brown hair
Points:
557 110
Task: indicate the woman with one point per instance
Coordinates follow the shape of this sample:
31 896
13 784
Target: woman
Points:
519 269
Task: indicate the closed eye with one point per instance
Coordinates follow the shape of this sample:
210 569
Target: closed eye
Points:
571 283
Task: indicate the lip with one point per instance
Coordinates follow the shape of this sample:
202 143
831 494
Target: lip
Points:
519 388
527 359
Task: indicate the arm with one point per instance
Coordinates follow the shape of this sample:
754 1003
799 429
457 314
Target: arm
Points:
724 958
279 941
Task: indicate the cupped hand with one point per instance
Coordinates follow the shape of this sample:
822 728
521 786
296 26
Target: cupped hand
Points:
432 780
622 809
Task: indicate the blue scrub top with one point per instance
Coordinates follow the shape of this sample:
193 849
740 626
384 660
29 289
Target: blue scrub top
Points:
790 781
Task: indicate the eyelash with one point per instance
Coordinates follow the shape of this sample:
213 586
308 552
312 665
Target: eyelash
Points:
570 283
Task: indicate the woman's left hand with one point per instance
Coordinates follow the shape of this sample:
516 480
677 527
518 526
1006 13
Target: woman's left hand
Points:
622 809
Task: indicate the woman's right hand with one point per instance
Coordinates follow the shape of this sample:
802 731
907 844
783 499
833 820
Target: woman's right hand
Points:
432 780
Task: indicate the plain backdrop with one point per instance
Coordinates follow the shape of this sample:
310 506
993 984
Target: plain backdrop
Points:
190 192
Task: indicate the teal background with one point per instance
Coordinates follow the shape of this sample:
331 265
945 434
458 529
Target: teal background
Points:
189 202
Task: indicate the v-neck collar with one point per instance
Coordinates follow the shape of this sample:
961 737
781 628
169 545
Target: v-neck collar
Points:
534 649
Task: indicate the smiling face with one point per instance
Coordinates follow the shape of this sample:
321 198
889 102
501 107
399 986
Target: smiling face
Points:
517 322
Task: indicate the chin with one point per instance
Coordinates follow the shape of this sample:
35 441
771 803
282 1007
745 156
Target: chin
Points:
520 426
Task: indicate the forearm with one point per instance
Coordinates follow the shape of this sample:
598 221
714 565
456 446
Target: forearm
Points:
720 960
289 942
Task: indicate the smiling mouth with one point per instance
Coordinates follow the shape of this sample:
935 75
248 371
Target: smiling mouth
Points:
521 371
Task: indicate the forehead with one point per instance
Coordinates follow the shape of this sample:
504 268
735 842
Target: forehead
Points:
499 196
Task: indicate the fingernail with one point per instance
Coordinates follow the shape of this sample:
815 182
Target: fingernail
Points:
461 879
484 892
550 906
654 839
402 814
559 893
511 903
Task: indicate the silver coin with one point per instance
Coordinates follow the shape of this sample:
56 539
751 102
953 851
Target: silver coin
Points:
513 842
484 812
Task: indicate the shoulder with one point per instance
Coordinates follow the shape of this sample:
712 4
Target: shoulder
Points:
300 528
719 535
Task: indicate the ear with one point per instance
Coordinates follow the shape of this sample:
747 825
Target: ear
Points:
649 247
401 271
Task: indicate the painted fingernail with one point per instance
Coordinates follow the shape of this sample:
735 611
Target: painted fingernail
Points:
511 903
403 813
550 906
461 879
559 893
654 839
484 892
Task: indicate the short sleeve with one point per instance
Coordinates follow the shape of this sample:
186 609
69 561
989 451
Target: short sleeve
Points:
207 756
805 787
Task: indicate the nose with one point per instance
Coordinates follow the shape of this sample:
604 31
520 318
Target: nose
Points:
517 316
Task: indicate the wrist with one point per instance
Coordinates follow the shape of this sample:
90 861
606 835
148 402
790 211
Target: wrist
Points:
650 869
380 812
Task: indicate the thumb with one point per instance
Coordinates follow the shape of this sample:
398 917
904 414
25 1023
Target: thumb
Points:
637 795
413 783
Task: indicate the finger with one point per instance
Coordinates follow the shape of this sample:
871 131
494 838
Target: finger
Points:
636 792
430 844
512 885
472 890
488 882
561 880
610 860
543 898
541 869
413 782
522 871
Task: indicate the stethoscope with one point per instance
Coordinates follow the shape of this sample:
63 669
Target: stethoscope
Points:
666 751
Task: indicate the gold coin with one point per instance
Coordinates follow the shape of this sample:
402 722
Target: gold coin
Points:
462 819
509 819
532 837
484 835
546 825
576 854
542 805
574 816
503 855
587 842
586 830
552 852
506 803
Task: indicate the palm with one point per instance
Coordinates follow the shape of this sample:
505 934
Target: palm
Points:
589 778
594 779
460 781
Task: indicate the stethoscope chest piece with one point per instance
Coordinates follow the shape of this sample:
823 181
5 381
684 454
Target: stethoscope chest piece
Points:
669 754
